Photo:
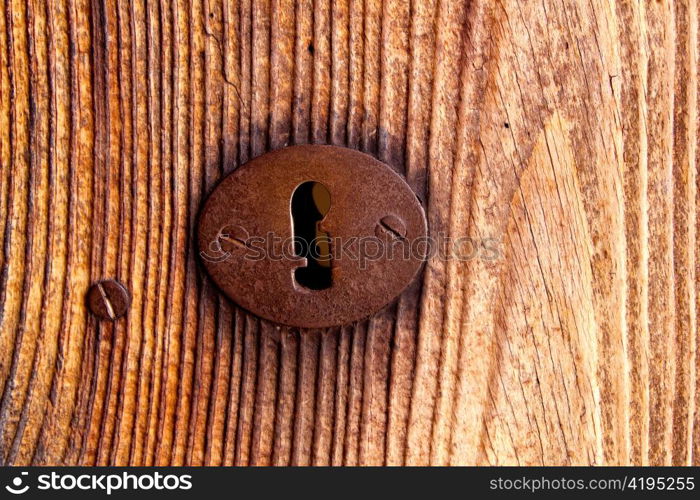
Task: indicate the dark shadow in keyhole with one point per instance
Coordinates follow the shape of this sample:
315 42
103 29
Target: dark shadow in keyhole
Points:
310 204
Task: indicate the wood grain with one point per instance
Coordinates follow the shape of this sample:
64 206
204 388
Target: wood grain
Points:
559 136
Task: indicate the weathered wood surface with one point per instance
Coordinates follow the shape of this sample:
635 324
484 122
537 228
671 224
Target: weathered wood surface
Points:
566 130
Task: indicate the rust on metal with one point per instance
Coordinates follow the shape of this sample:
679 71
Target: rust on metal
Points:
253 237
392 226
108 299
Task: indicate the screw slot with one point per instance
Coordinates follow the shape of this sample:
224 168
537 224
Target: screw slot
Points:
392 226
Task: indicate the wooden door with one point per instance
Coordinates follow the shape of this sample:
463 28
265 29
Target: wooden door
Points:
558 138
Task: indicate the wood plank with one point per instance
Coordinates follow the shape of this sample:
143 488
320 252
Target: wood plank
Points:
554 144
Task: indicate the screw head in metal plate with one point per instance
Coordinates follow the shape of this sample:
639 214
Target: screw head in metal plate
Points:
312 236
108 299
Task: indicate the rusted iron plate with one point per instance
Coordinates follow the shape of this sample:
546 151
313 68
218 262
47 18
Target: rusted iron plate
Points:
375 227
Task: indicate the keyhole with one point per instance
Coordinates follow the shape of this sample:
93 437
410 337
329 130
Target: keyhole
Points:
310 204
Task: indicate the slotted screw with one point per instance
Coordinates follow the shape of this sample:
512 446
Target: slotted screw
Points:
108 299
392 226
233 236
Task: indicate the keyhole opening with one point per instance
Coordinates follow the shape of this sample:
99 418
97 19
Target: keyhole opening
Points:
310 204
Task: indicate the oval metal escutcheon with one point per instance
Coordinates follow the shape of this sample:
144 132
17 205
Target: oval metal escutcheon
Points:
312 236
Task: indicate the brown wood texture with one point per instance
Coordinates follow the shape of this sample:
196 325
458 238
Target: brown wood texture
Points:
566 131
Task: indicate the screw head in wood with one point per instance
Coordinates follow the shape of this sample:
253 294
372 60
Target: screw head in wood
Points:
108 299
